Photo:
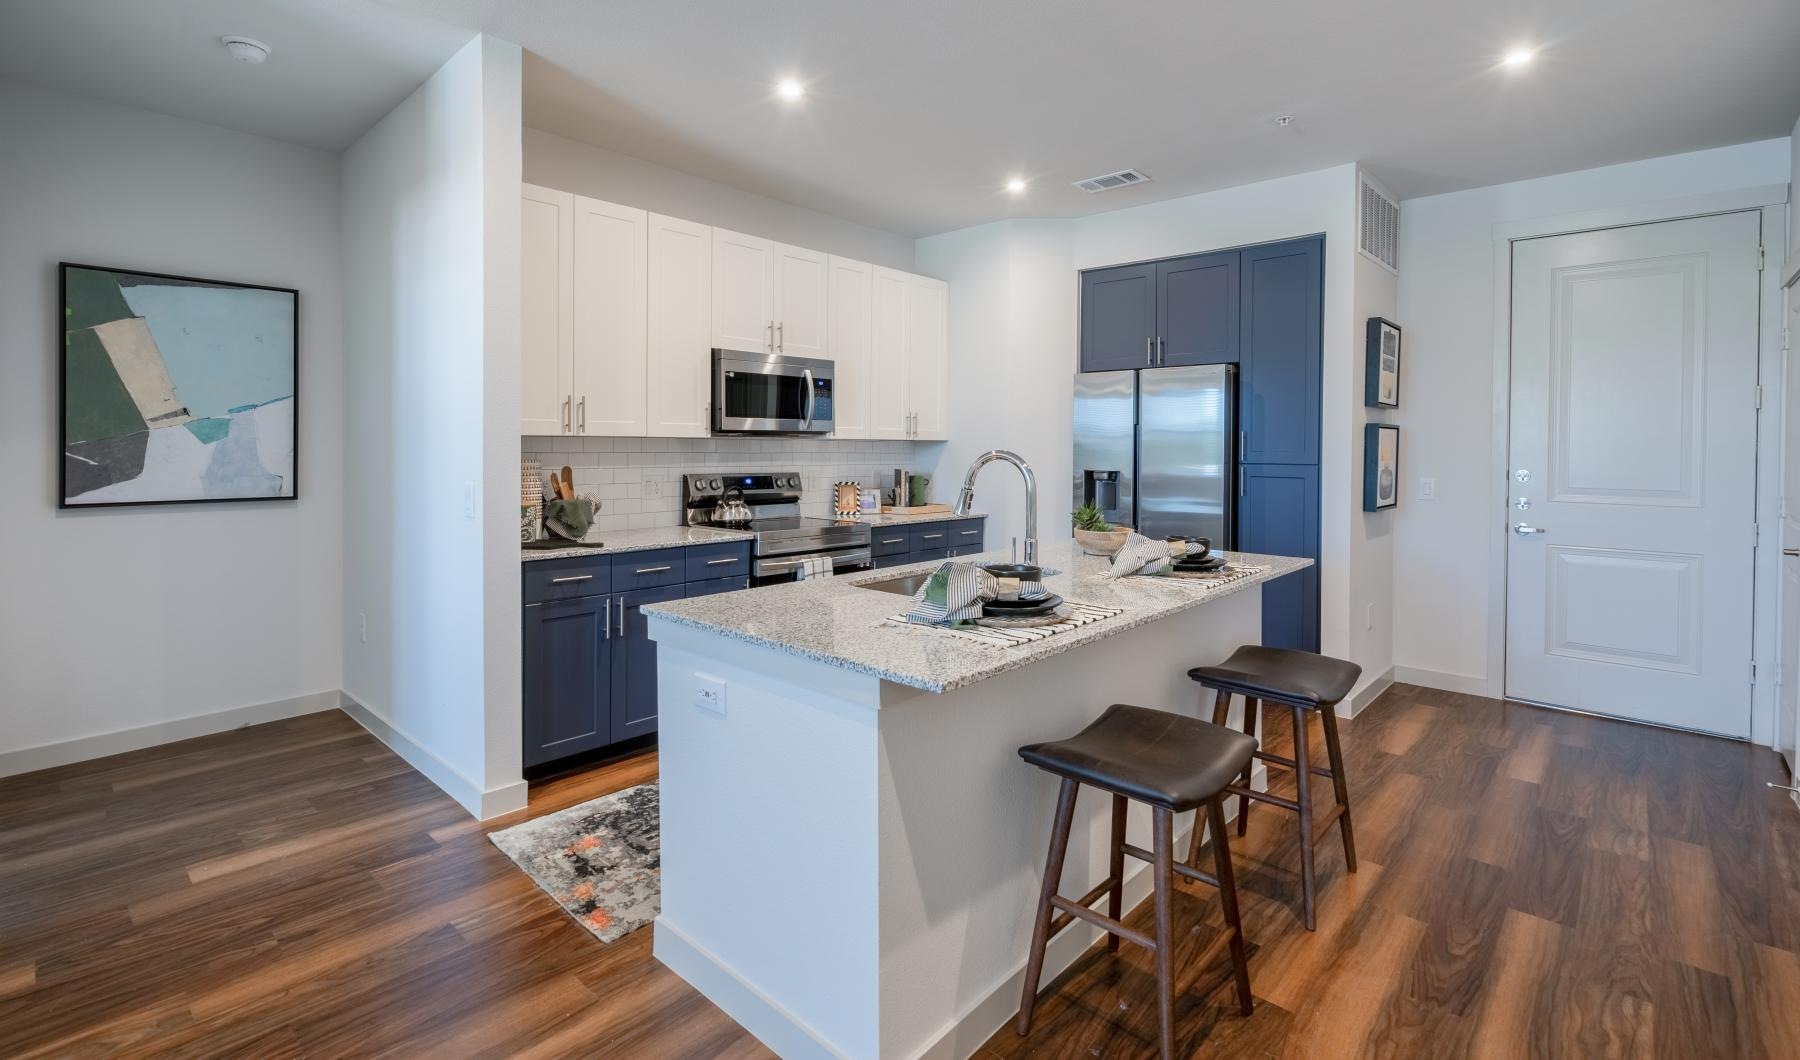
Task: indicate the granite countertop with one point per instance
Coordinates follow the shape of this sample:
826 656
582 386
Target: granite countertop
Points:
834 621
641 540
895 519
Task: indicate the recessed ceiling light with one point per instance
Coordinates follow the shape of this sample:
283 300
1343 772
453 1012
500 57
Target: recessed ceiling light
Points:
245 50
790 89
1015 185
1519 57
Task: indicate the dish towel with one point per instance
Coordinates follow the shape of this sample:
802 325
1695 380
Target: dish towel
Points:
955 592
814 567
1150 558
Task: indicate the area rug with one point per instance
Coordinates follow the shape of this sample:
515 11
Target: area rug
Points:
601 861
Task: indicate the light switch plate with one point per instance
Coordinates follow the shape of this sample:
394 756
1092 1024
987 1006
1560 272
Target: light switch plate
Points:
1428 489
709 693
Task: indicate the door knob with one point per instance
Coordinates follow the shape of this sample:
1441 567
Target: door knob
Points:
1781 787
1525 531
1790 551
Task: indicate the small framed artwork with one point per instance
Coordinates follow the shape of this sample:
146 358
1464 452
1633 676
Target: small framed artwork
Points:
1381 388
1381 466
175 390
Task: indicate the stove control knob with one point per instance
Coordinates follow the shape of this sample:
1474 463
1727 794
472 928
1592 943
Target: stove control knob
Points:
793 482
713 484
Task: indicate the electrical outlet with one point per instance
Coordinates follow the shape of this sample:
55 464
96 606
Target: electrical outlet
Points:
709 694
653 487
1369 616
1428 489
362 626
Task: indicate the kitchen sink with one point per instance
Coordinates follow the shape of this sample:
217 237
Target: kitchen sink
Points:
905 585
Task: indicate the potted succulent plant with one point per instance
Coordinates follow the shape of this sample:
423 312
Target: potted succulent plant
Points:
1095 535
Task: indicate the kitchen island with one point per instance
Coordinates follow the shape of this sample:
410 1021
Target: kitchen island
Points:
851 846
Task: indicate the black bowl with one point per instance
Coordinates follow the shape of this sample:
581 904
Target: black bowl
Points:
1025 572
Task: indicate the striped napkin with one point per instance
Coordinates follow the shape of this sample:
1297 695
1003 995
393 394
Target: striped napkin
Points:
1150 558
955 592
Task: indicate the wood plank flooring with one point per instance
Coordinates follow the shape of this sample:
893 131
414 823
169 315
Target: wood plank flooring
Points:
1531 884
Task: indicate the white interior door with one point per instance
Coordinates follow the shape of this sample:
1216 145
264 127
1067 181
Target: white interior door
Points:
1787 693
1633 471
611 307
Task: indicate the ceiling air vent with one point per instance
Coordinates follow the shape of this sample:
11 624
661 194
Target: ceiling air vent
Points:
1378 224
1122 179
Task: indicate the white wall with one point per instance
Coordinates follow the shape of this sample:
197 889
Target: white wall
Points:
1015 290
1445 611
569 165
113 620
431 266
1371 577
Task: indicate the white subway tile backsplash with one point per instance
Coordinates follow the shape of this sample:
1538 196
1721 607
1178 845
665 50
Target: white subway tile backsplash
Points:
616 469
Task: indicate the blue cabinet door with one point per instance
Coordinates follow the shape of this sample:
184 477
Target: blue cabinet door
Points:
634 662
1282 288
567 693
1278 513
1197 305
1118 317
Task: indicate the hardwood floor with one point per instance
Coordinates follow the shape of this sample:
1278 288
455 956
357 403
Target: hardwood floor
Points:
1530 883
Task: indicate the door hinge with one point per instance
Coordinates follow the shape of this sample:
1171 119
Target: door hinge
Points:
1752 673
1761 253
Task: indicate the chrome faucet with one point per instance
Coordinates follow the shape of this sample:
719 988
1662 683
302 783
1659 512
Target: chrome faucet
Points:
967 497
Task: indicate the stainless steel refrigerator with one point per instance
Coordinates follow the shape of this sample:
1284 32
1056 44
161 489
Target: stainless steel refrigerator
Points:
1154 449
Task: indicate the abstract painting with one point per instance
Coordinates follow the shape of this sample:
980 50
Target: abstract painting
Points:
176 389
1381 466
1381 387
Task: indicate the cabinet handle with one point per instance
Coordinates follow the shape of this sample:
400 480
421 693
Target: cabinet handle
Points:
771 336
566 403
572 578
1240 480
892 540
968 533
721 562
606 619
581 415
929 537
654 570
781 336
1161 353
1150 351
621 616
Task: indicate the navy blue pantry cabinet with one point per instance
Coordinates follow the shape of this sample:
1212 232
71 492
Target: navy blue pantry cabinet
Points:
1282 305
1197 309
590 666
1278 513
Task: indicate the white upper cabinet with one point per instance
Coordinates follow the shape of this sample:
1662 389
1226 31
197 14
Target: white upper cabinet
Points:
927 356
889 414
801 303
546 309
611 322
848 301
743 292
680 328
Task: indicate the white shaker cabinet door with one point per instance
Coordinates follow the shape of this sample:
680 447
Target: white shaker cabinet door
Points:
928 356
889 414
848 315
802 303
743 281
546 311
679 365
611 307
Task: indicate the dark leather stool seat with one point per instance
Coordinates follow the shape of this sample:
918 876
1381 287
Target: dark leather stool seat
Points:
1152 756
1173 763
1299 678
1308 684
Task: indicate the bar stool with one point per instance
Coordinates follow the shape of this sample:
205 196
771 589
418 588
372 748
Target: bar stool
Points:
1305 682
1173 763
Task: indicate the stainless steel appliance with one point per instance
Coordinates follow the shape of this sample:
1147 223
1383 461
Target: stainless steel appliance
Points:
782 540
770 393
1154 450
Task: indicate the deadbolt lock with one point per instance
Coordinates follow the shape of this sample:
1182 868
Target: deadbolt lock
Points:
1522 475
1523 504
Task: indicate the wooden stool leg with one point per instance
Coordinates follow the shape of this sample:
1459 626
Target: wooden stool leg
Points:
1302 781
1164 870
1221 710
1040 929
1115 902
1252 712
1339 783
1240 964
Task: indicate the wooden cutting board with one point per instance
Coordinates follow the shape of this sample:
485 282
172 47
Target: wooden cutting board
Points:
916 509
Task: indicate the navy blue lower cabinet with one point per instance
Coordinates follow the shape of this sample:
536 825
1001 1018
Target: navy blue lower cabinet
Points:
567 702
634 662
714 586
1278 513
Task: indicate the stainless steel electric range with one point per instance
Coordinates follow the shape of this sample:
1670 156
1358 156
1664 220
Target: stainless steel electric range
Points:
782 540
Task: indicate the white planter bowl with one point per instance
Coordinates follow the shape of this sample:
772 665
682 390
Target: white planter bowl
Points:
1102 542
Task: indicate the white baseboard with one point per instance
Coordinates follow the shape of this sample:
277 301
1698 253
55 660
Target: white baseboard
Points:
773 1025
1467 684
483 804
85 748
1372 691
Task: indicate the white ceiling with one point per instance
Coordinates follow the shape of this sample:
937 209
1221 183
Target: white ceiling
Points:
918 110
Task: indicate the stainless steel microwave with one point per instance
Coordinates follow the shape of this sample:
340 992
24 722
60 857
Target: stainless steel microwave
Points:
770 393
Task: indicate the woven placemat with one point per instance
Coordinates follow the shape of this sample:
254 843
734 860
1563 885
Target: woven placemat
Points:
1079 615
1220 576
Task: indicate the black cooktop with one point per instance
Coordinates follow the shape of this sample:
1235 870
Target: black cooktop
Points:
776 523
